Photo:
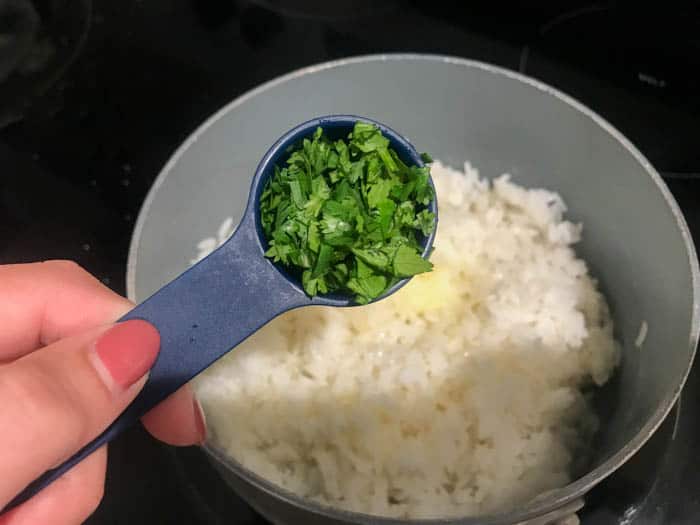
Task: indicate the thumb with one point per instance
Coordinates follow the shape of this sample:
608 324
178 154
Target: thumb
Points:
59 398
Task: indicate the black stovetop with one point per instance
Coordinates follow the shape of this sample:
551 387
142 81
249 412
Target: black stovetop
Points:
114 87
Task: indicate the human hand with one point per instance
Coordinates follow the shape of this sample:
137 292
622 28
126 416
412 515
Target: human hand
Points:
66 372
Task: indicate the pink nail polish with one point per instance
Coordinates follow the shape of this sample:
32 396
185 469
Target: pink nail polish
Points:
127 351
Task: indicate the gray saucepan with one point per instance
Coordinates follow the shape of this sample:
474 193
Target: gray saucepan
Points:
636 241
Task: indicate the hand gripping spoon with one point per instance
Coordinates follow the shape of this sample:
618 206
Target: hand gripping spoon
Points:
227 296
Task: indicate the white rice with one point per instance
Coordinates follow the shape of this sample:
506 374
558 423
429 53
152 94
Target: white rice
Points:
209 244
459 395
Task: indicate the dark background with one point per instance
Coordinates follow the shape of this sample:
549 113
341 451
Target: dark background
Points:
96 95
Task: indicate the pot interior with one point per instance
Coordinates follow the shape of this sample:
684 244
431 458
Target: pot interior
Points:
634 240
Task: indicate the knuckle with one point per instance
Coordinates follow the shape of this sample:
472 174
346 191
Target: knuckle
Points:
65 266
42 407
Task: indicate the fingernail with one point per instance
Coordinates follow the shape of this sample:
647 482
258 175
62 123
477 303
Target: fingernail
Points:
126 352
200 421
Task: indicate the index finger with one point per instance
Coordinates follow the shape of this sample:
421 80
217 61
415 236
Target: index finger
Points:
41 303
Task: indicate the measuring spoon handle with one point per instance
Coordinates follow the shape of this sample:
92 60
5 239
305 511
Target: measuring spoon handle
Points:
200 316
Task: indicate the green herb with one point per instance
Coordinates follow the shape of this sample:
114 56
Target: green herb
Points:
347 214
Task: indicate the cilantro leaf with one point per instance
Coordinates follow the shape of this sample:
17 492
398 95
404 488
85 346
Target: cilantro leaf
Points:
368 288
346 215
408 262
425 222
385 209
379 192
372 257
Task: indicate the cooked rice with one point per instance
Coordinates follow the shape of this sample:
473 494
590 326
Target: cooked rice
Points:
461 394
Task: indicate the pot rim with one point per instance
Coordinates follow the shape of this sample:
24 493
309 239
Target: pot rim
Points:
541 505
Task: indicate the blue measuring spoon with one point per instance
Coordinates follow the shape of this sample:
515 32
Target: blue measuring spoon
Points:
226 297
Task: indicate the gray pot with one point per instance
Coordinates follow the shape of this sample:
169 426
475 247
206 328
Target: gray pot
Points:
635 240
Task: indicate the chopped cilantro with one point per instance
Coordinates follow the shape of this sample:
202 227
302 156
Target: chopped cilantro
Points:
347 214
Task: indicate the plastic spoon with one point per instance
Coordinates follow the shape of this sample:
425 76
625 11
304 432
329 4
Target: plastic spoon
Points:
226 297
